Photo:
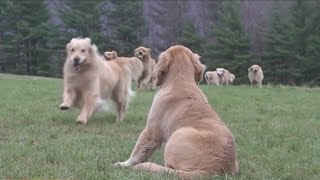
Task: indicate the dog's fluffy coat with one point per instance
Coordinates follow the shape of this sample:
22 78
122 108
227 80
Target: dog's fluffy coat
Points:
91 82
255 75
148 75
197 141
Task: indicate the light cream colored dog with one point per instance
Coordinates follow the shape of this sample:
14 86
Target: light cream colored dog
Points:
211 77
255 75
110 55
90 82
148 74
197 141
223 76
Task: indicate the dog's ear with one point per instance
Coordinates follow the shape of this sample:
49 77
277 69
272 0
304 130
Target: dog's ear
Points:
115 55
162 67
149 49
88 40
250 68
199 68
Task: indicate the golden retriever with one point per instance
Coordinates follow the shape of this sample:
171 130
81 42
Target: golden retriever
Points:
197 141
148 74
211 77
223 76
110 55
255 75
91 83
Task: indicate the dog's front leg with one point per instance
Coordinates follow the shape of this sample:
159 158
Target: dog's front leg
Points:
68 98
87 107
147 143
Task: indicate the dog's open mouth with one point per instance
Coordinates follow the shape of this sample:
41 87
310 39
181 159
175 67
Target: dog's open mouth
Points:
76 65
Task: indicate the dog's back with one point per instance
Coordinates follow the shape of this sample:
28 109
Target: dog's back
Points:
130 65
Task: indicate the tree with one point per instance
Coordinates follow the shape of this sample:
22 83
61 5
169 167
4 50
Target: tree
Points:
231 46
288 43
83 19
127 25
26 37
191 39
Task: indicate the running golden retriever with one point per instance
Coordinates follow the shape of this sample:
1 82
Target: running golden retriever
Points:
255 75
197 141
91 83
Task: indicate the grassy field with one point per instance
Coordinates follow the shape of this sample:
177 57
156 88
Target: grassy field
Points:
277 132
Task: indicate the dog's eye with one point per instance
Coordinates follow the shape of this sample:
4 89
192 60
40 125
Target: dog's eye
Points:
82 50
72 49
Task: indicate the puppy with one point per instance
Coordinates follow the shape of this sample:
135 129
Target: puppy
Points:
110 55
255 75
223 76
90 82
211 77
197 142
148 74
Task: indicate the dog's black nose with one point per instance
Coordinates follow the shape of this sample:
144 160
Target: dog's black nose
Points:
76 60
140 53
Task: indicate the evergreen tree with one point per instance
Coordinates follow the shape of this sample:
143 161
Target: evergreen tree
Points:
26 36
84 19
287 44
230 49
127 24
191 39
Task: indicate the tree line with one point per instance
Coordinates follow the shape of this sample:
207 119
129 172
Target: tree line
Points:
30 44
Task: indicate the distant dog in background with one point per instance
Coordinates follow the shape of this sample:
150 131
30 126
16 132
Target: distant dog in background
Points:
223 76
148 74
211 77
255 75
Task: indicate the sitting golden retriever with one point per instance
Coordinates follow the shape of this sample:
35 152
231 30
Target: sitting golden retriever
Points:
91 83
197 141
110 55
255 75
148 74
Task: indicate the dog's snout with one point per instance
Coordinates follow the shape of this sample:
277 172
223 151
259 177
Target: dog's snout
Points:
76 60
140 53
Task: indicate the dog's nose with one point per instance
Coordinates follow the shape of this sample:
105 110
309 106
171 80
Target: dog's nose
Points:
76 60
140 53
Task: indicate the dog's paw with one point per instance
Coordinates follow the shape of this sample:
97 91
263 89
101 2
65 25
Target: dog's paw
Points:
79 121
64 106
121 164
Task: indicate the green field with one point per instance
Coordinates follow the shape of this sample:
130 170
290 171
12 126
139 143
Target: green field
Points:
277 132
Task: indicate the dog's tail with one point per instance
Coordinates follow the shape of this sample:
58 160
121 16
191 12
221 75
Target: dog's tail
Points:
152 167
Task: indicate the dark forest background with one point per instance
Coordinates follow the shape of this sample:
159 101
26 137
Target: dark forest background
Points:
283 37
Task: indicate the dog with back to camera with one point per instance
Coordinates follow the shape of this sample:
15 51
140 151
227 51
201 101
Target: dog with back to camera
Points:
197 142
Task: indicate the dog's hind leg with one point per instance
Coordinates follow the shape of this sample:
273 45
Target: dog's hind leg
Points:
68 98
87 108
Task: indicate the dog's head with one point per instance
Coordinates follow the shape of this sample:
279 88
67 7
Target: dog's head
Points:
142 52
185 61
110 55
220 71
254 68
79 52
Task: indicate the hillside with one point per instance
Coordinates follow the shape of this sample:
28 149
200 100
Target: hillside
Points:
276 131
